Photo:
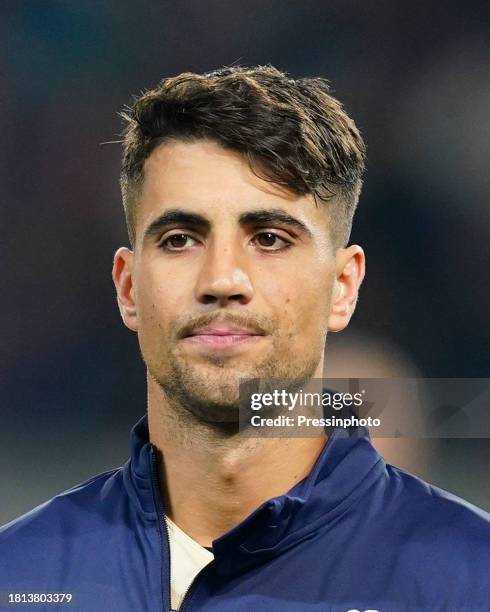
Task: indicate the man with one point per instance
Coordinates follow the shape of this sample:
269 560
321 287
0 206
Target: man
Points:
239 188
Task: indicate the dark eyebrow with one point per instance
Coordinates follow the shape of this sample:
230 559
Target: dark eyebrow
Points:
273 216
180 217
176 216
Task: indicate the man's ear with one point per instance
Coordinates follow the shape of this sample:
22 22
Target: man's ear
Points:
122 270
349 273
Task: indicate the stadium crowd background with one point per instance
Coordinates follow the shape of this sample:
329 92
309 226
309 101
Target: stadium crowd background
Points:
413 76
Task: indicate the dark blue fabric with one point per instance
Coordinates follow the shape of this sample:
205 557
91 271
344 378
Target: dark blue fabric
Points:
356 534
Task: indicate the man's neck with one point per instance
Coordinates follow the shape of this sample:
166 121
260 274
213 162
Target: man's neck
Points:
211 481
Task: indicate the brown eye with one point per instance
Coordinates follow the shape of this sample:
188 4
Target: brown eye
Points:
271 241
176 242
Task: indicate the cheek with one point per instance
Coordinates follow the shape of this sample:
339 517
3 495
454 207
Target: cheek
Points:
160 300
301 301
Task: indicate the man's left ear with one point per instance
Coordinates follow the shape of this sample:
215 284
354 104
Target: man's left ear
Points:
349 273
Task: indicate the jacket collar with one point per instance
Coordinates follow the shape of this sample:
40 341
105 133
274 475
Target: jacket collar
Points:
346 467
137 472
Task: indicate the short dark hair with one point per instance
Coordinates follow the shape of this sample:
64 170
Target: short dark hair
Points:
291 131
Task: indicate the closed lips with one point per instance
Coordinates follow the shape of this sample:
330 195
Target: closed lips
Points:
225 331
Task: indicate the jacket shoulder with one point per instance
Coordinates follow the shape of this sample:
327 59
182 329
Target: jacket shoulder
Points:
83 541
61 511
436 505
443 538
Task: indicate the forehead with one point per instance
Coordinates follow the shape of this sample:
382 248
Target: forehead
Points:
204 177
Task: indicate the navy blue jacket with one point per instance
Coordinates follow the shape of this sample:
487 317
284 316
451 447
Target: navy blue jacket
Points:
356 534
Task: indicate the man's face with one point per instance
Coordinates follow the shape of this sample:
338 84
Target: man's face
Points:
231 277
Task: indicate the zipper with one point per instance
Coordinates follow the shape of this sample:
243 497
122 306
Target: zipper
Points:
162 527
192 587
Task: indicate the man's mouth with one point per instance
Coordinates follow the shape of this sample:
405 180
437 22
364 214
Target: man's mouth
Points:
223 335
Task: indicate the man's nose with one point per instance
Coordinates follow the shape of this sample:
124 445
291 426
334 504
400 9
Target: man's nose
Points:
223 277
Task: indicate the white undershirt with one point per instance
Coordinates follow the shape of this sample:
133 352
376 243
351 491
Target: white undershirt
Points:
187 558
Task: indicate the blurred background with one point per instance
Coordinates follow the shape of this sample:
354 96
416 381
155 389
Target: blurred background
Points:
414 77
